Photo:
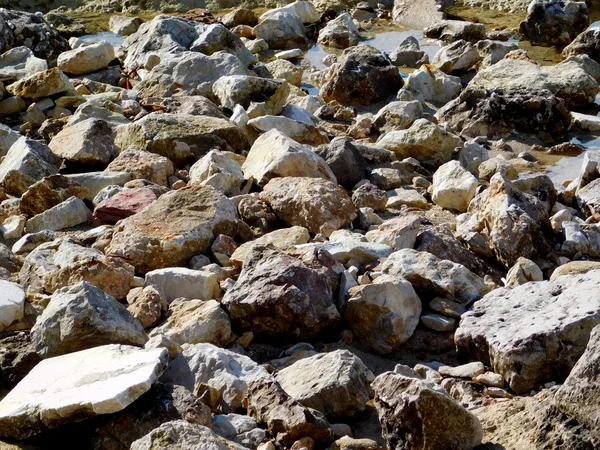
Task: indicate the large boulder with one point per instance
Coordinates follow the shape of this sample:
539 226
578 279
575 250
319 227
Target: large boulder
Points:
319 205
554 22
533 333
416 414
363 76
179 225
77 386
182 138
70 213
275 155
336 383
281 295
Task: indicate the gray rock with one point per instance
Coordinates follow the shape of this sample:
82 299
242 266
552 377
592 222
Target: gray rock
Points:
70 213
241 429
455 30
124 25
20 62
457 58
554 22
88 142
409 54
282 30
217 38
340 32
12 303
345 161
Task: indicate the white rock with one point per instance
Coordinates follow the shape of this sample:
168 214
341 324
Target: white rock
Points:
13 227
306 11
86 59
20 62
12 303
179 282
67 214
453 187
218 170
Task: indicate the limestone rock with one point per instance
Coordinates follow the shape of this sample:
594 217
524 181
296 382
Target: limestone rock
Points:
409 54
453 187
12 303
88 142
49 192
431 85
86 59
20 62
585 44
280 68
524 271
398 232
41 84
457 58
454 30
340 32
124 204
345 161
178 282
124 25
398 115
280 239
218 170
67 214
217 38
282 30
143 165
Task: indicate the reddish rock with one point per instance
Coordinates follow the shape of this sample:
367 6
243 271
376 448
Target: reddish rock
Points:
124 204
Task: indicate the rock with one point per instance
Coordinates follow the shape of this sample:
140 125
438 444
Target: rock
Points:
524 271
49 192
345 161
487 169
302 132
398 115
489 379
239 16
195 215
554 22
417 414
573 80
124 204
203 368
363 76
574 268
472 155
282 30
80 317
143 165
405 197
427 272
65 25
13 227
17 359
494 112
80 385
447 307
182 434
304 10
515 222
284 417
348 443
457 58
180 137
348 247
148 307
585 44
274 154
453 187
340 32
316 204
18 63
438 322
95 182
12 303
409 54
559 314
455 30
195 321
26 162
342 383
420 14
469 370
398 232
41 84
383 315
259 96
124 25
7 138
70 213
241 429
429 143
88 142
281 239
368 195
218 170
280 68
216 37
280 295
86 59
493 51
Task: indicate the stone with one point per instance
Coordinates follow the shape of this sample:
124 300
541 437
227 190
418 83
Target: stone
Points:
143 165
398 115
447 307
282 30
487 169
304 10
239 16
342 383
13 227
41 85
281 239
65 25
409 54
398 232
281 68
454 30
241 429
340 32
383 315
286 158
86 59
300 131
195 215
316 204
544 330
284 417
417 414
573 268
554 22
124 25
195 321
12 303
217 38
70 213
348 248
493 51
88 142
80 385
82 316
204 367
183 434
489 379
18 63
586 43
427 272
124 204
405 197
469 370
362 76
26 162
218 170
148 307
182 138
368 195
524 271
472 155
95 182
438 322
457 58
453 187
344 160
429 143
278 294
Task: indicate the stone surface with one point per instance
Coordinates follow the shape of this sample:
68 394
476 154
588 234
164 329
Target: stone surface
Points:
282 30
82 316
70 213
340 32
179 225
41 84
280 239
524 271
544 330
49 192
142 164
454 30
20 62
73 387
88 142
124 25
218 170
12 303
178 282
124 204
86 59
409 54
398 232
584 44
453 187
554 22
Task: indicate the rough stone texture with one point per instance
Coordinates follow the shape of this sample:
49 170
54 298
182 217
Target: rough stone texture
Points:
74 387
419 415
587 43
398 232
148 307
398 115
179 225
316 204
363 76
443 277
281 239
182 138
409 54
431 85
457 58
12 303
493 112
219 170
124 25
454 30
383 315
285 418
302 131
453 187
49 192
275 155
524 271
41 84
258 96
87 59
280 295
204 367
90 141
340 32
82 316
180 434
19 62
543 331
17 359
142 164
282 30
70 213
124 204
554 22
336 383
345 161
194 322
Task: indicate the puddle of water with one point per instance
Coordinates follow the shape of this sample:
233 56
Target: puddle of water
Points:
113 39
567 168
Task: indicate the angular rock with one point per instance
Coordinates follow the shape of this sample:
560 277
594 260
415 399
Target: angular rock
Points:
340 32
398 115
49 192
258 96
453 187
86 59
18 63
218 170
12 303
281 239
524 271
409 54
398 232
554 22
70 213
124 204
587 43
241 429
216 38
300 131
282 30
280 68
454 30
143 165
88 142
345 161
41 84
124 25
457 58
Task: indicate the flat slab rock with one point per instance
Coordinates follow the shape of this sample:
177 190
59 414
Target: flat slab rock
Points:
77 386
534 333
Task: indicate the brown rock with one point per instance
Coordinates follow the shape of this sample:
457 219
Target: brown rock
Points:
49 192
142 164
148 307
